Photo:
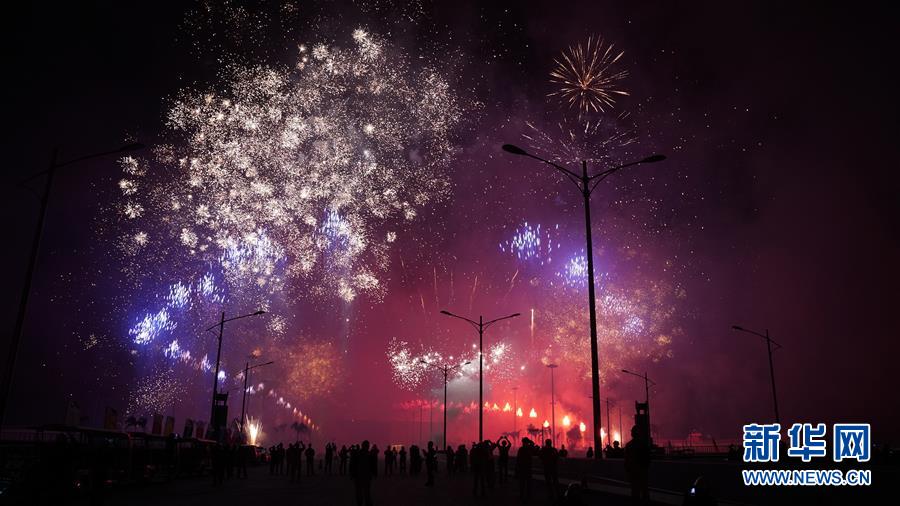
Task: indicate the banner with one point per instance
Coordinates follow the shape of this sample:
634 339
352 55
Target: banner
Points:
170 425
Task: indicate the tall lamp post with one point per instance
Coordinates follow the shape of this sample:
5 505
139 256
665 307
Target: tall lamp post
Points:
49 173
215 391
515 412
247 369
480 326
586 185
769 343
552 403
445 370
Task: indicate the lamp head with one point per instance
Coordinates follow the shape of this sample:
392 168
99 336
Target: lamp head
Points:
516 150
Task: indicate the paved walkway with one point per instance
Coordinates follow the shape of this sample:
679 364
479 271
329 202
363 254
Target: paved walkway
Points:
263 489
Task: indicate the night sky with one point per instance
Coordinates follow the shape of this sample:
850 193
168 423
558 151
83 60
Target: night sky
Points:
776 209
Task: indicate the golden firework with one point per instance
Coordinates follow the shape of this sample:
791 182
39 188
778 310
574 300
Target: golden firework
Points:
586 76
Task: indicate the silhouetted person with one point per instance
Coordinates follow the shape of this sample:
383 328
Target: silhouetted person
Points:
402 460
388 461
478 460
590 452
523 468
272 459
329 455
289 456
343 456
310 460
451 455
503 445
617 450
231 460
489 467
430 463
415 460
243 456
297 458
637 465
563 453
374 456
462 458
699 494
301 454
361 474
550 460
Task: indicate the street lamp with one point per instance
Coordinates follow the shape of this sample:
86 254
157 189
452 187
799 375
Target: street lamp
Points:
769 343
445 370
647 383
480 326
586 185
221 325
247 370
49 173
552 402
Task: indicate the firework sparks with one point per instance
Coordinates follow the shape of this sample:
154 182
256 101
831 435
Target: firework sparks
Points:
586 76
575 271
299 166
634 323
254 430
315 370
410 368
599 142
531 243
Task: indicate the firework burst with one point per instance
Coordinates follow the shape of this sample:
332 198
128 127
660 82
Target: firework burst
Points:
303 166
634 323
411 368
315 370
586 76
531 243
